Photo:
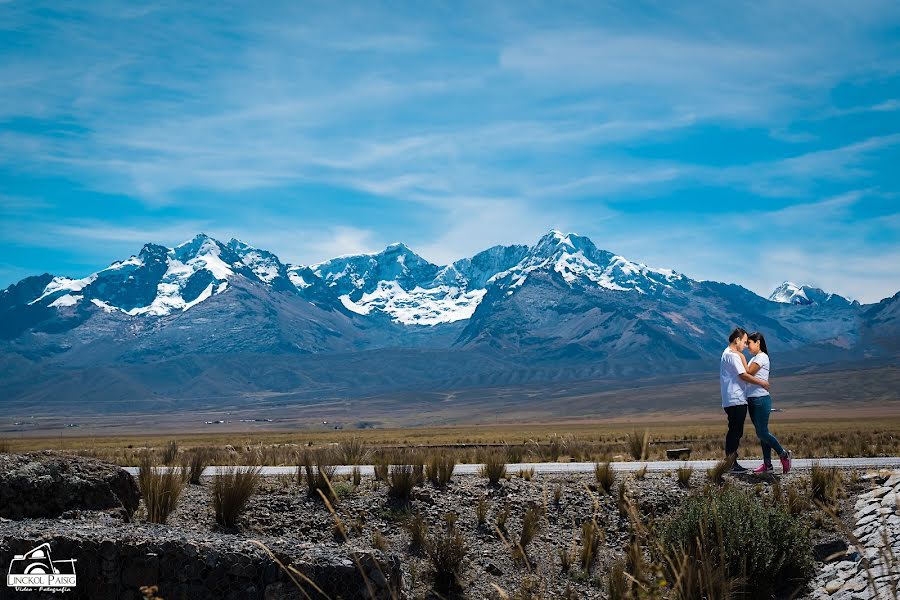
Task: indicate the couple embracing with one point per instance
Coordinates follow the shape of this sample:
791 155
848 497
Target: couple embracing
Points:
745 387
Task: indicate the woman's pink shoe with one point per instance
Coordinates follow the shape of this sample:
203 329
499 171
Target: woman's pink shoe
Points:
786 461
763 469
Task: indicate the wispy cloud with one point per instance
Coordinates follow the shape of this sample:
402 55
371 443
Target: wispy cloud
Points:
470 125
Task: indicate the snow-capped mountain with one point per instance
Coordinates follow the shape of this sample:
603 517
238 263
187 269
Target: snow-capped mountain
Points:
410 290
791 293
578 261
557 309
156 282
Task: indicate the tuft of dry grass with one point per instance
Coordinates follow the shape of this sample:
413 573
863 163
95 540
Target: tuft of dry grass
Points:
170 453
352 451
5 447
418 530
605 477
639 444
796 500
825 484
356 476
481 510
526 474
531 522
557 494
591 537
684 476
716 474
641 473
232 489
379 541
401 481
501 517
381 467
439 468
493 467
320 470
567 557
447 555
199 460
160 489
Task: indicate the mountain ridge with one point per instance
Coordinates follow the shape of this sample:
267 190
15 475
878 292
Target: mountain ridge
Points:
163 323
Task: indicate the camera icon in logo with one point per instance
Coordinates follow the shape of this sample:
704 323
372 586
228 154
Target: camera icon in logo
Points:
37 568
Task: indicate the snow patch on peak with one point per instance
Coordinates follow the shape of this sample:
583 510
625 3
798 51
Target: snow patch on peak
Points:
65 300
103 305
64 284
418 306
576 258
790 293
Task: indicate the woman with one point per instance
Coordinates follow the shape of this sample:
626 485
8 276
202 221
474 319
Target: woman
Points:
759 405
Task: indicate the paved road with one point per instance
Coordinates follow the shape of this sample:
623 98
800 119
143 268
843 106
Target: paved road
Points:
588 467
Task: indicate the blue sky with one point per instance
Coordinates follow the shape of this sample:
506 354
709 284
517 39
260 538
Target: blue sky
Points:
743 142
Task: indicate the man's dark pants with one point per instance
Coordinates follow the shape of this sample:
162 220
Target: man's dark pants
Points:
736 417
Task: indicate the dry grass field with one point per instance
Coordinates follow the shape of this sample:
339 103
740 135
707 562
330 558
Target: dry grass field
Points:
808 438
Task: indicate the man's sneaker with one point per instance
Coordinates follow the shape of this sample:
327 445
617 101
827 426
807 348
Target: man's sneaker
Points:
763 469
786 461
736 468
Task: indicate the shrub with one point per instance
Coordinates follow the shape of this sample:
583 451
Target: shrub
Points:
356 476
447 554
757 546
493 467
526 474
605 477
557 494
440 468
684 476
825 484
160 489
401 481
232 489
639 444
641 473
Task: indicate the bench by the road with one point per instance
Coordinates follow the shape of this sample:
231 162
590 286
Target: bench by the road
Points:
588 467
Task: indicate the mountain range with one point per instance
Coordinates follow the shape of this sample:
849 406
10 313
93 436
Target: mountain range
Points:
207 320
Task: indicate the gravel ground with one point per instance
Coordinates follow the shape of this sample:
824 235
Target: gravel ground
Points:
283 512
283 509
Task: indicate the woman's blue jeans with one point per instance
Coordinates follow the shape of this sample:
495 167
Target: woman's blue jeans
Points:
759 409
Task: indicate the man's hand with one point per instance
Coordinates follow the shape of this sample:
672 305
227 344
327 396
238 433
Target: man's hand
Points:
765 384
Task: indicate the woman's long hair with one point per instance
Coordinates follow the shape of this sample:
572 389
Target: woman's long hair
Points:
758 337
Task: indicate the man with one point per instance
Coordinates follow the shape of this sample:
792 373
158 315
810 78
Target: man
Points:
733 377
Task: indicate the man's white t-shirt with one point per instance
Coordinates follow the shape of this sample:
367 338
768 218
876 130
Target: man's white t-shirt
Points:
753 390
730 369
